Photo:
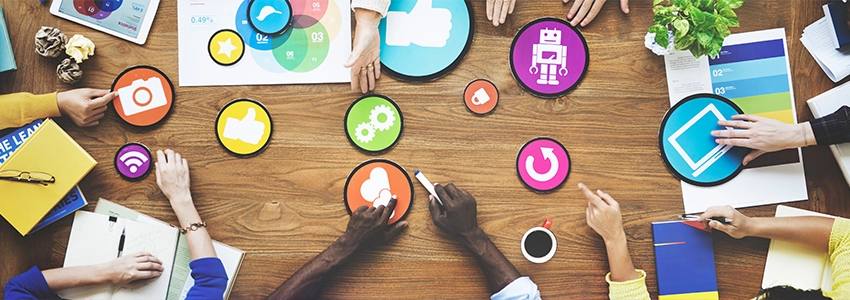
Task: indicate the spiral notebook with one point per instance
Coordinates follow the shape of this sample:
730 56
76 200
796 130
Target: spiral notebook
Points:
684 261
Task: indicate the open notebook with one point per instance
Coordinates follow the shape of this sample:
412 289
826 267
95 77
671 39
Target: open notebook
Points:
181 279
95 239
796 265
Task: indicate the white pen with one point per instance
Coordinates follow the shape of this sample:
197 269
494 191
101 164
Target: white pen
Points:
428 186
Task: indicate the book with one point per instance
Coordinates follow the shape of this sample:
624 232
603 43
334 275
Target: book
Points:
684 261
7 57
825 104
818 41
796 265
181 279
836 16
96 238
73 201
48 152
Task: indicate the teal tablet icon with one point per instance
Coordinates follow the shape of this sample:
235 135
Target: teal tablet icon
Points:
374 124
687 147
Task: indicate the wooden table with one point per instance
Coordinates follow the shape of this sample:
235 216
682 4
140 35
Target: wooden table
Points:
609 124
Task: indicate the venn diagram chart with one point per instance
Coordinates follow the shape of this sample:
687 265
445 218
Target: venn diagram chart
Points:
219 43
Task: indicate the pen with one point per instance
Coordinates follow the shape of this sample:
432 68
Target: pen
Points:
121 243
723 220
428 186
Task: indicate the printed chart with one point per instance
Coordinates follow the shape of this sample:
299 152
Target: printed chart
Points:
753 71
312 50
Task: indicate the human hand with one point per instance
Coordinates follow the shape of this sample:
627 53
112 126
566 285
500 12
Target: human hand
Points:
84 106
458 216
603 214
740 225
585 11
172 177
763 135
368 226
365 59
498 10
132 270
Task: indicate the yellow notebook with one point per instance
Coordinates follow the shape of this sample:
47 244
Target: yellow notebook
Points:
49 150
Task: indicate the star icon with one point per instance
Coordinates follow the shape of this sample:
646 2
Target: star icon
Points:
226 47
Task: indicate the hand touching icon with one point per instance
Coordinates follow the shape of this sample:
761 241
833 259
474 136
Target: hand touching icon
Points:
424 26
247 130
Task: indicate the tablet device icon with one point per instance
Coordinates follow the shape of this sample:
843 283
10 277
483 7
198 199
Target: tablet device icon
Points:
687 147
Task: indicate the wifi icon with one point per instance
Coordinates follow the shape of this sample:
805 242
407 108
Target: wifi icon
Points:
133 161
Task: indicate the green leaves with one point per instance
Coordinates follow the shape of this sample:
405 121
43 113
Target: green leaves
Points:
697 25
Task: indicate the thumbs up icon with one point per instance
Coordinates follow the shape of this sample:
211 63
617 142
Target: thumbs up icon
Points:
247 130
424 26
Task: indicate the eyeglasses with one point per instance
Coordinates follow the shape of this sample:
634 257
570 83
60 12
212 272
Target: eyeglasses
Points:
27 177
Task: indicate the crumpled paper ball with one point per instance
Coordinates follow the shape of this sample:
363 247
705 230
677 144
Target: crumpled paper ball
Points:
649 43
50 42
69 71
80 48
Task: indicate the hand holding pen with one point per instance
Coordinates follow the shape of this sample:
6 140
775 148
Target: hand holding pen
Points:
738 225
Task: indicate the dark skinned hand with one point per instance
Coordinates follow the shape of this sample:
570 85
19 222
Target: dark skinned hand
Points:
459 217
368 225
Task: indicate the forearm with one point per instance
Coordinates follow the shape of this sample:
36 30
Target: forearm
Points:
619 260
200 243
65 278
499 271
18 109
810 231
308 281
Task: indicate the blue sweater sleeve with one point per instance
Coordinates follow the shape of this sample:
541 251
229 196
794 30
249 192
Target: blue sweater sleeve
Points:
29 285
210 279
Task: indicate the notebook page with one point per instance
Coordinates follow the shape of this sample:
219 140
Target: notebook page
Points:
159 240
94 239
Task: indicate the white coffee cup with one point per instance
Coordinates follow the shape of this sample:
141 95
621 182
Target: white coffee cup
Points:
480 97
538 244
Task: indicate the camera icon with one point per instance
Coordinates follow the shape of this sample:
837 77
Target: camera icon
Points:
142 95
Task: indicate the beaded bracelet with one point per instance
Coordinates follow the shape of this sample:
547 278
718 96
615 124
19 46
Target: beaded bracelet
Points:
193 227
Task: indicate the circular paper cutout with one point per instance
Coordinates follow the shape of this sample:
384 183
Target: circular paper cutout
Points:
543 164
226 47
481 96
145 95
374 182
687 147
270 17
244 127
133 161
373 123
423 40
549 57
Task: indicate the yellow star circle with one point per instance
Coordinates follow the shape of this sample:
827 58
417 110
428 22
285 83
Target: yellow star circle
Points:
226 47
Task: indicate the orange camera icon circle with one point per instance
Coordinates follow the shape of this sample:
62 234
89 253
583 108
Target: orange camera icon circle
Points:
145 95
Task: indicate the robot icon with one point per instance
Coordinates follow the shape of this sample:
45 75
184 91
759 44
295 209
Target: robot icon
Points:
549 54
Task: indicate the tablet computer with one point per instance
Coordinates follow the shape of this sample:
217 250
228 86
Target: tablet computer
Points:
127 19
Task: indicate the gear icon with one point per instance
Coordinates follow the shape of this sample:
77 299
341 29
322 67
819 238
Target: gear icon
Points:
378 110
364 138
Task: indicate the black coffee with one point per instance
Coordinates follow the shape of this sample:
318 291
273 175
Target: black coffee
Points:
538 243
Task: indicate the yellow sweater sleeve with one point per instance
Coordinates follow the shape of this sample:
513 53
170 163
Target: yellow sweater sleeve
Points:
631 290
839 255
18 109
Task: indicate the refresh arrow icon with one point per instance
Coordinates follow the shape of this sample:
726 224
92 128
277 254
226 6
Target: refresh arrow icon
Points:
548 154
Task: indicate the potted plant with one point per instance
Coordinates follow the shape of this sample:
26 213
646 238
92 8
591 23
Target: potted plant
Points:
696 25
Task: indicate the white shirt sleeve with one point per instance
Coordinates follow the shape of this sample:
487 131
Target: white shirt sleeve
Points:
520 289
380 6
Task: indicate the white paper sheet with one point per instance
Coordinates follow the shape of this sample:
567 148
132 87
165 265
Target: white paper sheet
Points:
687 75
296 61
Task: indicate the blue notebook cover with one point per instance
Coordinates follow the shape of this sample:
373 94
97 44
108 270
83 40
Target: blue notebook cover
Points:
7 58
684 261
73 201
836 14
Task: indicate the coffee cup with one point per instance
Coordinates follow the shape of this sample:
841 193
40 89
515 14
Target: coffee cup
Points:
538 244
480 97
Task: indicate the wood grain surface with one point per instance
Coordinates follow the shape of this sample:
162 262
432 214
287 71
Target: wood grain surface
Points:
609 125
